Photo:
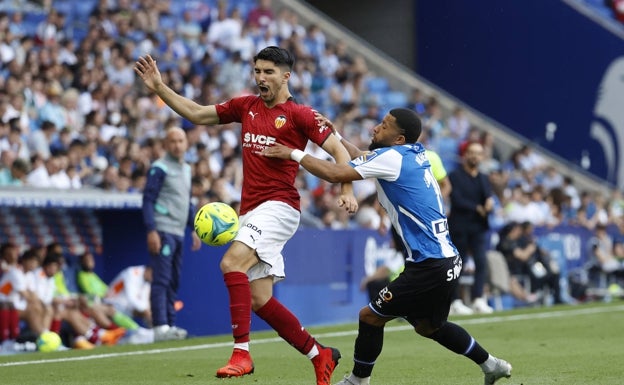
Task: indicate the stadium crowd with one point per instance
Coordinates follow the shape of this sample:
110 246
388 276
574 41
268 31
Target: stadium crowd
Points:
74 116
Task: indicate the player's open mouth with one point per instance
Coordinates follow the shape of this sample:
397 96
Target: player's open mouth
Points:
263 89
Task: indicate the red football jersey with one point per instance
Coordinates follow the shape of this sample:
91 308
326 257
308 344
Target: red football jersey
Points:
290 124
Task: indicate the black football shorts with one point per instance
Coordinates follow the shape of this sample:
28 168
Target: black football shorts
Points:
424 290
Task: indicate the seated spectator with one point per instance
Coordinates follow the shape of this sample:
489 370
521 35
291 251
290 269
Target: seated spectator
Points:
13 141
569 188
53 110
458 123
615 206
97 291
87 332
368 215
592 211
67 296
40 140
519 207
501 280
129 292
261 16
382 265
16 175
551 178
17 301
526 259
602 253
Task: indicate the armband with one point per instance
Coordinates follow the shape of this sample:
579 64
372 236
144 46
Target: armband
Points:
338 135
297 155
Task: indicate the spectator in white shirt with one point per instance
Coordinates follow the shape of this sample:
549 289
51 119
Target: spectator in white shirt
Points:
40 176
223 31
129 292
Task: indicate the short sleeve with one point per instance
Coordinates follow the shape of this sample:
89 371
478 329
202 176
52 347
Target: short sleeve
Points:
231 110
380 164
305 119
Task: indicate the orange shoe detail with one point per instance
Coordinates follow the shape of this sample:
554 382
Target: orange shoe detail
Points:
83 344
111 337
239 365
325 363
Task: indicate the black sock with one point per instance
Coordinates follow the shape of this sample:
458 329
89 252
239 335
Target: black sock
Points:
368 345
457 339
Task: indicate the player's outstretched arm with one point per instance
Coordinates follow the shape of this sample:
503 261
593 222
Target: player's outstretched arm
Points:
330 171
148 71
353 151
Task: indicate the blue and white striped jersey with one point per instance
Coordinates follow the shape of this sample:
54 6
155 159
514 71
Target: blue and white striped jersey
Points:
411 196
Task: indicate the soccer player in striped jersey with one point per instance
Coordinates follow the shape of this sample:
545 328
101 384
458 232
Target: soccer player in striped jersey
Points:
408 191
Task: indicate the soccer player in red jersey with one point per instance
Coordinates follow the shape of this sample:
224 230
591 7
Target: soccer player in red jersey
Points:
269 211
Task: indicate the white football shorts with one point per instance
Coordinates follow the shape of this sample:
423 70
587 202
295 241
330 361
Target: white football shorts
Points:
266 229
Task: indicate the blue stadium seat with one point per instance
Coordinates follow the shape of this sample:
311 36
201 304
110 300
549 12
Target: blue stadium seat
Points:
177 8
392 99
377 84
65 7
84 8
447 148
168 22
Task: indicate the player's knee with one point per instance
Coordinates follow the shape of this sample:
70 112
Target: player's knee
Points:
425 329
257 302
237 258
369 317
230 263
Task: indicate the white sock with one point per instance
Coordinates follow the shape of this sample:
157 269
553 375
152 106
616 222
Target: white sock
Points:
313 352
242 346
357 380
489 364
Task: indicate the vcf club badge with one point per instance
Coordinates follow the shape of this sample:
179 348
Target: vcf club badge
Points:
280 121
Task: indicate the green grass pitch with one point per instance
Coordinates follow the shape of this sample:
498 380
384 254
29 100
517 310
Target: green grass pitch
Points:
560 345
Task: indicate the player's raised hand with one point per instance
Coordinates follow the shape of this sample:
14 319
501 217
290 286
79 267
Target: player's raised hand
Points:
147 70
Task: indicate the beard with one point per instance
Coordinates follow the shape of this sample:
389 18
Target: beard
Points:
375 145
473 164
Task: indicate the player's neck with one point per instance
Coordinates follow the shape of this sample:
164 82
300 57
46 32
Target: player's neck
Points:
282 98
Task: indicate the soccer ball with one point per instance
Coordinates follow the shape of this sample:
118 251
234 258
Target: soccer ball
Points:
216 223
48 342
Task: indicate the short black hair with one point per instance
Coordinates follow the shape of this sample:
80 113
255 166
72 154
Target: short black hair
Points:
409 123
29 254
6 246
47 125
279 56
22 165
52 258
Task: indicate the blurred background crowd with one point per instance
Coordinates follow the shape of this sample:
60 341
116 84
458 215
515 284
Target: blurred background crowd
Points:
72 114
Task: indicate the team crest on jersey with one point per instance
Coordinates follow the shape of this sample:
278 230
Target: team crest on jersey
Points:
364 158
280 121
